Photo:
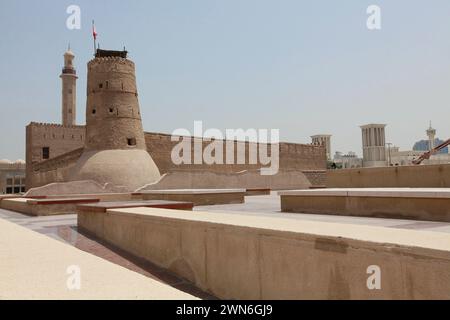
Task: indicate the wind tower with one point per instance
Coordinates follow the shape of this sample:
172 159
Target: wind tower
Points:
69 90
374 145
323 140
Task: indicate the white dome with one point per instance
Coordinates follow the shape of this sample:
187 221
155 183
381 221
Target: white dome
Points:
5 161
19 161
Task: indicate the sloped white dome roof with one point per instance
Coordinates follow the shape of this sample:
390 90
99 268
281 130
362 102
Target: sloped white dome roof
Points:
69 53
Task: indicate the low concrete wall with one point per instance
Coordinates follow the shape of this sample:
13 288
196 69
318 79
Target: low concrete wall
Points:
199 197
44 207
251 257
380 207
425 176
90 218
16 204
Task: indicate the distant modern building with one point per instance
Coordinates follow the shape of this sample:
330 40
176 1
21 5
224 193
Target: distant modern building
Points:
12 176
374 145
423 145
323 140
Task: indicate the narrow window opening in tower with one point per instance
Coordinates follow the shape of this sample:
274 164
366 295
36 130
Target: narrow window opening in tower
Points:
131 141
122 86
94 111
45 153
100 85
111 110
107 84
70 110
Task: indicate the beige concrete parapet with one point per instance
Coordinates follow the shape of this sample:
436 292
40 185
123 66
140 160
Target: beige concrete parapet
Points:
373 192
91 217
431 204
45 207
197 196
253 257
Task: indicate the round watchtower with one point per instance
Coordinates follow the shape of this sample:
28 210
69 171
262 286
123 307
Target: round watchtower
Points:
115 150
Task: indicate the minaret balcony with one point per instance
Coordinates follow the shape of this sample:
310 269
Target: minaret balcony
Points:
69 71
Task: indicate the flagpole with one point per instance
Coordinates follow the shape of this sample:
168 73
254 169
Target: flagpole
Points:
95 38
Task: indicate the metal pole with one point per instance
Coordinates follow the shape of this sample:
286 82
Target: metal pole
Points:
93 35
389 153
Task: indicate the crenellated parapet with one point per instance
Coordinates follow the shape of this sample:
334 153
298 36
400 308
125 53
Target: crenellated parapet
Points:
117 60
53 125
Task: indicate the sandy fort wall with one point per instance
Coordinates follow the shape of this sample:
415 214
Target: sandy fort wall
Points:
65 146
292 155
46 141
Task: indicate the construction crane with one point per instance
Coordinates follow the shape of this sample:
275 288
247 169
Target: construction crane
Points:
428 154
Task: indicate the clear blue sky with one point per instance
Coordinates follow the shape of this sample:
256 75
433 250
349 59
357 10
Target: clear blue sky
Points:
304 67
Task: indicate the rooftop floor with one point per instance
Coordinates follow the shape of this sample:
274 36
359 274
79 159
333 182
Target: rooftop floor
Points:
34 266
64 228
269 205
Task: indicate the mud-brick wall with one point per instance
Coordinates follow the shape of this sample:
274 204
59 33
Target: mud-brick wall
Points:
64 144
57 169
59 139
291 156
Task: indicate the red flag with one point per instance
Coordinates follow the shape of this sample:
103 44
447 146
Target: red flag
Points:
94 33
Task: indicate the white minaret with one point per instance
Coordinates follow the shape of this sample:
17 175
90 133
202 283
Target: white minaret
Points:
431 133
69 90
